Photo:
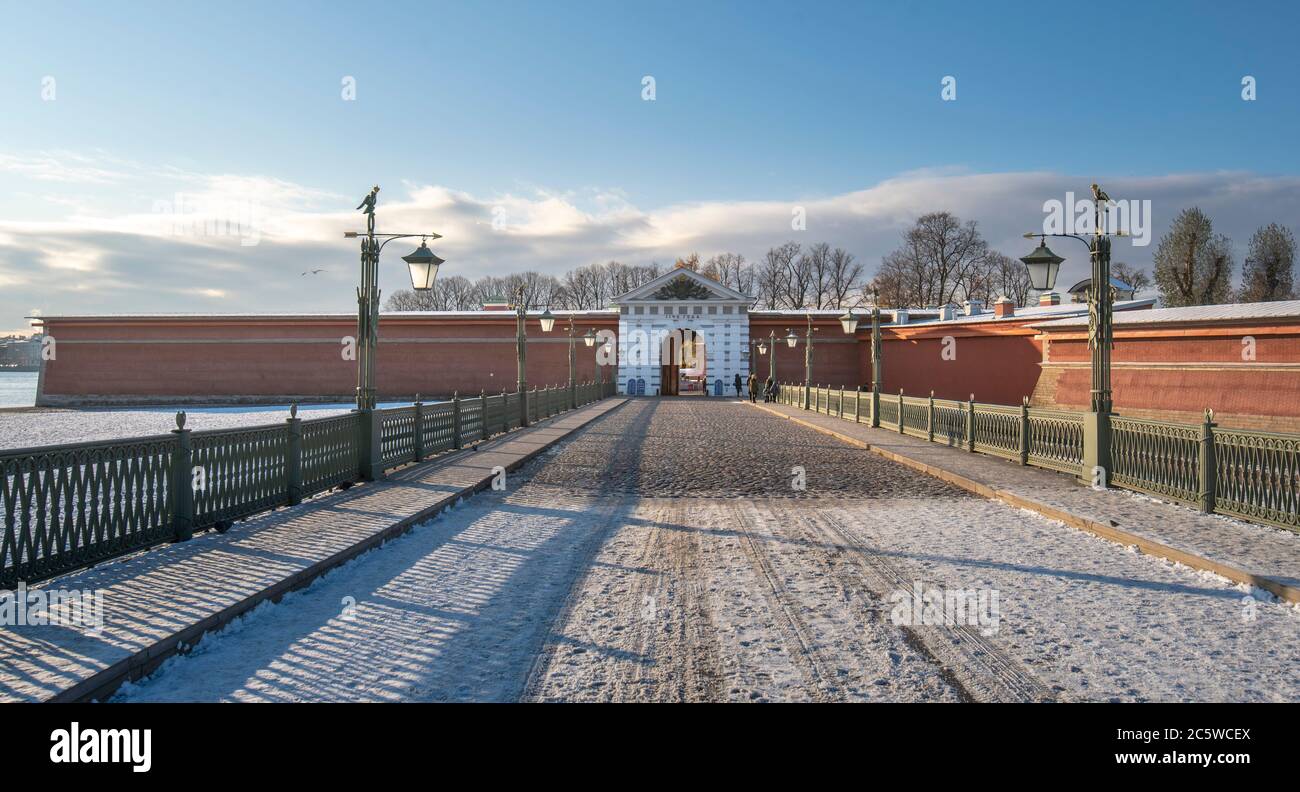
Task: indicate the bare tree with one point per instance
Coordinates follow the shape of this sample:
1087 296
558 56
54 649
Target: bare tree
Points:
846 275
1008 277
732 271
941 260
772 274
1133 276
798 281
1193 265
1268 272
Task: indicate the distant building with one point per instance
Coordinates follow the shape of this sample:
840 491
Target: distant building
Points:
1079 291
20 352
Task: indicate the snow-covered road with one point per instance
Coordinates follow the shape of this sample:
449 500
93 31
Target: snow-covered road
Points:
580 583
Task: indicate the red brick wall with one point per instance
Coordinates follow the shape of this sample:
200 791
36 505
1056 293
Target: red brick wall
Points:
1175 372
295 357
837 358
1000 367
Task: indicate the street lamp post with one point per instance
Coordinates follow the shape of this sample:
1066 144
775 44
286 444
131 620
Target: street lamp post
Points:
548 323
877 363
1043 266
521 343
423 265
807 363
771 361
588 338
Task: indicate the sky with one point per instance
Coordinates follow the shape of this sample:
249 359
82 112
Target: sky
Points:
524 133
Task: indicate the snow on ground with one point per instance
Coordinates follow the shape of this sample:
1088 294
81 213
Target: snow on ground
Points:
24 429
1092 618
454 610
564 590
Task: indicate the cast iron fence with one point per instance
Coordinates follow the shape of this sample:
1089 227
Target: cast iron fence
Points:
66 507
1247 474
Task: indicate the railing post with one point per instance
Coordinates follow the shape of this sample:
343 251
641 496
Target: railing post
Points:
901 422
293 457
970 424
1095 470
929 421
1209 464
1024 430
857 405
841 401
182 483
418 430
455 420
505 412
482 412
371 467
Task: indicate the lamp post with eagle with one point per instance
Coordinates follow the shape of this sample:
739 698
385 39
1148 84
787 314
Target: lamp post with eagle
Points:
423 265
1043 266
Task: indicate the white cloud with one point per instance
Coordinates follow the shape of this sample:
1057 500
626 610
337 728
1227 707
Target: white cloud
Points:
137 261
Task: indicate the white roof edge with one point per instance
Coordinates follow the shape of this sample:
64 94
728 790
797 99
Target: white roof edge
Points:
1221 313
339 315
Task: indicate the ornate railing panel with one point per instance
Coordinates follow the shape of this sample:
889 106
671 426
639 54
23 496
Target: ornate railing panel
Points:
1257 476
238 472
916 417
331 452
496 414
888 411
950 422
438 428
1056 440
397 435
69 506
471 420
1156 457
997 430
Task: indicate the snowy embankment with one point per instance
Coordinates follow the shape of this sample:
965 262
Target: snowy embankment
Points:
55 427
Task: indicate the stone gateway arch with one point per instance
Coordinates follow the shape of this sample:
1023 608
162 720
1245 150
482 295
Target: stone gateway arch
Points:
682 333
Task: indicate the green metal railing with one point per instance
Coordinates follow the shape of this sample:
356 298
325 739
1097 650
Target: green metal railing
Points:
1156 457
1257 476
1247 474
66 507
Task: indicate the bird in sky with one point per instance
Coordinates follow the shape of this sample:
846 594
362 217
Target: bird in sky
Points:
1099 195
312 272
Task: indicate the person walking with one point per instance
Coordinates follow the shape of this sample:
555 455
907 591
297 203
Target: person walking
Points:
737 385
769 391
753 387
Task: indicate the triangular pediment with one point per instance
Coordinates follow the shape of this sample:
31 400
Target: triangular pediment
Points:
681 284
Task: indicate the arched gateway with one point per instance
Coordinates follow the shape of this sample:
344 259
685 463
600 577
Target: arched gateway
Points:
680 332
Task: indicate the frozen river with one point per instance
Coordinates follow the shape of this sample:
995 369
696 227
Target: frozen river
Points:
23 429
18 388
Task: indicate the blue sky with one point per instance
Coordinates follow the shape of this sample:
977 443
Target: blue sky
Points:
529 104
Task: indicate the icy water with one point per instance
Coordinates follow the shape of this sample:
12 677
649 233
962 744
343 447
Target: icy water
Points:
18 388
30 428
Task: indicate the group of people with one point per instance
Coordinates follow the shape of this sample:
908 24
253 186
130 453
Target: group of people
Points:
766 389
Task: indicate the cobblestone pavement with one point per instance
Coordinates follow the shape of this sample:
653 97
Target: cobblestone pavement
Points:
662 554
718 448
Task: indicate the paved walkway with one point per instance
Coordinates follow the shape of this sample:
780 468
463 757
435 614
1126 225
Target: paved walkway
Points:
169 596
1245 552
703 550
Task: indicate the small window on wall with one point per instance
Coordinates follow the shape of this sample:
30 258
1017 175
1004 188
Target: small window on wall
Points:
654 309
623 310
713 309
699 309
639 310
726 309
